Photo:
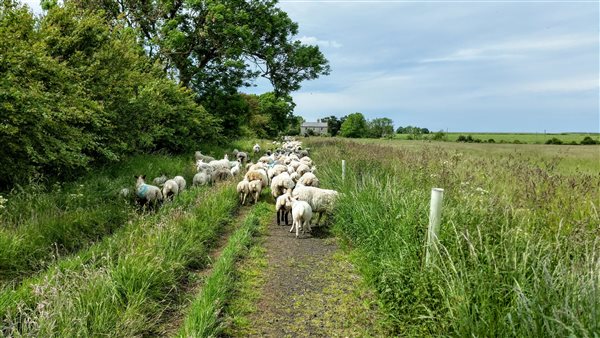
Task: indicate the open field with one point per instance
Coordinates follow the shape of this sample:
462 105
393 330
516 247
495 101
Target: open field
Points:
564 158
529 138
519 245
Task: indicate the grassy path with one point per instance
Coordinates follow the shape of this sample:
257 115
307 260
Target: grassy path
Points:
302 287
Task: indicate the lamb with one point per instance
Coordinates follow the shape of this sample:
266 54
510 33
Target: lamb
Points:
198 155
180 182
283 207
170 189
159 181
281 183
301 215
256 148
255 188
235 169
202 178
243 189
320 200
147 194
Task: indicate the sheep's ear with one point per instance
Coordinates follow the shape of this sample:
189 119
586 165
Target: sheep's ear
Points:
135 176
143 177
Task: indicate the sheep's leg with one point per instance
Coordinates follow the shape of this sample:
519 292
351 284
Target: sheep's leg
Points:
278 215
308 225
319 219
293 225
287 214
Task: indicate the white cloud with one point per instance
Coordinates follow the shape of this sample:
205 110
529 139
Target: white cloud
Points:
517 48
311 40
562 86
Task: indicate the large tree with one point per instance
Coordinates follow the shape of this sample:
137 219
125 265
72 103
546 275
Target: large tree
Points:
355 125
220 45
381 127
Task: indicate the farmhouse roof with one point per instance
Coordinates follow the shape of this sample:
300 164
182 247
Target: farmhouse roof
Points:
314 124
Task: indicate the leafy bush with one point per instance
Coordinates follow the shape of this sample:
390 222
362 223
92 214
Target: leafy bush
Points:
589 140
554 140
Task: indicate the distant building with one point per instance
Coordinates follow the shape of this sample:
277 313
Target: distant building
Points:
318 127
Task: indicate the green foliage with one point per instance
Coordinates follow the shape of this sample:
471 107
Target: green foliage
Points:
554 140
354 126
411 130
380 127
75 92
440 136
589 140
333 124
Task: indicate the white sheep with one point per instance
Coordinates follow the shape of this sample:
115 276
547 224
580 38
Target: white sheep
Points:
221 174
198 155
180 182
309 179
235 170
202 178
147 194
242 157
243 190
170 189
283 207
281 183
301 215
257 174
320 200
255 188
256 148
159 181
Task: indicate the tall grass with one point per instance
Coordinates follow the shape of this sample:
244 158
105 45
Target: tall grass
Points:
125 284
519 253
204 315
40 222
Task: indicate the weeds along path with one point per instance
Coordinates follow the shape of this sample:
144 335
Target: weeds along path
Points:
196 279
300 287
124 285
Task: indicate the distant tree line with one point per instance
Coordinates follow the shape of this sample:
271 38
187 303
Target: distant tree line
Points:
356 126
89 82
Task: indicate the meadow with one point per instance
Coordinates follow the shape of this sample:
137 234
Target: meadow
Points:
519 243
527 138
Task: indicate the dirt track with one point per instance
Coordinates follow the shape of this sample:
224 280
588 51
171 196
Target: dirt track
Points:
310 290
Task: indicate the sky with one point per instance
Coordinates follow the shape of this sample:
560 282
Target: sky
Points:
476 66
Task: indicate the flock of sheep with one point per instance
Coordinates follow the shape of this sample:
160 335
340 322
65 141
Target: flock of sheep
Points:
290 174
288 171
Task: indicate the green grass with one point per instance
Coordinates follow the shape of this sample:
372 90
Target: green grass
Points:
42 221
529 138
204 317
519 241
566 159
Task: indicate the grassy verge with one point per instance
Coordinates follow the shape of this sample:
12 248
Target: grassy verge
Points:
44 221
124 284
519 243
204 319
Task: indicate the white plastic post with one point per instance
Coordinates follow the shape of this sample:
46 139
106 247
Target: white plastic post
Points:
435 217
343 169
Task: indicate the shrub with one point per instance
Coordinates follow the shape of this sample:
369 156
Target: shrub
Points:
491 140
589 140
554 140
